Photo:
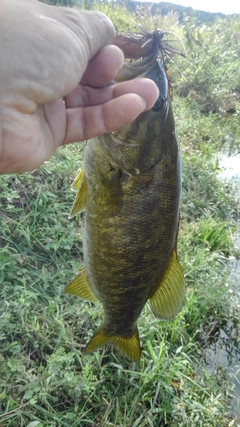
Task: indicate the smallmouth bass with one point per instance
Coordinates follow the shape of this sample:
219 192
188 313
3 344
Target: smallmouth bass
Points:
130 188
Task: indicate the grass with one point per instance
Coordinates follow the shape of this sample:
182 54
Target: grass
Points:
45 380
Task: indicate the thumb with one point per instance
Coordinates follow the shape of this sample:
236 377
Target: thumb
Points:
90 30
46 49
76 37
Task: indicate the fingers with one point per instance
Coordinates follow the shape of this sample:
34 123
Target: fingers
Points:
85 96
103 67
82 34
47 53
88 122
143 87
85 123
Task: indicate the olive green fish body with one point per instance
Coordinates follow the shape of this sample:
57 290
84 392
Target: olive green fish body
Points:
132 195
129 234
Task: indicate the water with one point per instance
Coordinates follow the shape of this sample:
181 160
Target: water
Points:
230 169
226 351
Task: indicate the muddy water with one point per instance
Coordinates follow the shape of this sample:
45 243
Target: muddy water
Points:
226 351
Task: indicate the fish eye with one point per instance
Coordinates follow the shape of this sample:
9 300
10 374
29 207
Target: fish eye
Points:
159 104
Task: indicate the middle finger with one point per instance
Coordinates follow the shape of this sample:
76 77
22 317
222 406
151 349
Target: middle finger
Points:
85 96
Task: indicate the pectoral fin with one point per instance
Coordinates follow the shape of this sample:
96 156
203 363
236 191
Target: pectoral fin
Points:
169 295
129 345
79 184
80 287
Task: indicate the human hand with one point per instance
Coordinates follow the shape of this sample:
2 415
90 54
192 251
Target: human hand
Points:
55 66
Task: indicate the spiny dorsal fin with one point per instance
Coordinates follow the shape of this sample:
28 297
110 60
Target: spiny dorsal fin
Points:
79 185
80 287
129 346
169 295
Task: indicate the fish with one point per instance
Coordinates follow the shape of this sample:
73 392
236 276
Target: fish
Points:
130 190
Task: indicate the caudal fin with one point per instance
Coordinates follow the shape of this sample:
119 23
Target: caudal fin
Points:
129 345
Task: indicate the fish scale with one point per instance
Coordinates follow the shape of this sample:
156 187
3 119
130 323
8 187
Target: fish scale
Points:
130 188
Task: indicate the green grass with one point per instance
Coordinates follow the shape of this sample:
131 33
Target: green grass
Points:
45 380
44 377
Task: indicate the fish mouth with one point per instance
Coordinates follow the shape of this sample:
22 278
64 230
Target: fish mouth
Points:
152 68
138 68
158 75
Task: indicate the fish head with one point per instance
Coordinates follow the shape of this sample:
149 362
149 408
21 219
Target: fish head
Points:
158 75
138 146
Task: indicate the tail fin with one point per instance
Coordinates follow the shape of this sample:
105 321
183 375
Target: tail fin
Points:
128 345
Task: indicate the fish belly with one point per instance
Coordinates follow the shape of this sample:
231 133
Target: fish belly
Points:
130 233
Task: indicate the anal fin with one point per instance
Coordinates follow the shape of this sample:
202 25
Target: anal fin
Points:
128 345
80 287
167 300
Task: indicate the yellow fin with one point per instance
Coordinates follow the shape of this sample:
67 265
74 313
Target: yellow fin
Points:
79 204
80 287
169 295
129 346
76 185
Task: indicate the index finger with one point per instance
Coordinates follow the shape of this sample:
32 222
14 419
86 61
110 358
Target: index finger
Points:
103 67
